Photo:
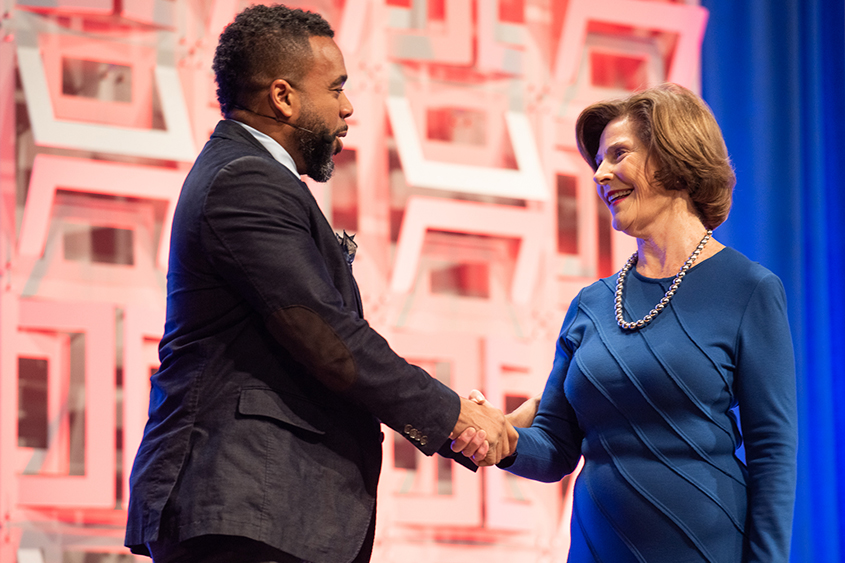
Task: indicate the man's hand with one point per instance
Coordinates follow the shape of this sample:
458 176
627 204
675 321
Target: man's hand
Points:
483 434
522 417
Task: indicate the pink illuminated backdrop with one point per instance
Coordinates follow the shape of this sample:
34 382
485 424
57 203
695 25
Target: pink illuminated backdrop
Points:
476 219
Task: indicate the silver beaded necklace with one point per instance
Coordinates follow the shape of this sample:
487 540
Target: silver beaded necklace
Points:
623 324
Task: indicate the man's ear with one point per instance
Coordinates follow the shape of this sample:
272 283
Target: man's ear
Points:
283 97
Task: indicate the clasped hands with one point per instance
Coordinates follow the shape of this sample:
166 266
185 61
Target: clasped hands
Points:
482 432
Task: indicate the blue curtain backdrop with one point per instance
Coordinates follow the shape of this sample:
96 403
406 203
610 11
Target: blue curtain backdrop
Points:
774 74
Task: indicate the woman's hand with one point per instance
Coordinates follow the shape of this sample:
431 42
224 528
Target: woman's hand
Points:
473 443
521 417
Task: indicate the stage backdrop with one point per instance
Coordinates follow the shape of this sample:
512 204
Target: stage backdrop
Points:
476 219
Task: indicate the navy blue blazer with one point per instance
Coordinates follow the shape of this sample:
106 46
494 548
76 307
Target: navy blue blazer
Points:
264 416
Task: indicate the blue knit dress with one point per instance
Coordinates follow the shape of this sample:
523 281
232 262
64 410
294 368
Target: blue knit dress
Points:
651 412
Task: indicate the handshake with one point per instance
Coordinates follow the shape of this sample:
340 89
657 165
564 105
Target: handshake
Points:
485 434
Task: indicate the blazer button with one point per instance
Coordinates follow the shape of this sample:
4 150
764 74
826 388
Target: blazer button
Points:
424 440
415 434
408 429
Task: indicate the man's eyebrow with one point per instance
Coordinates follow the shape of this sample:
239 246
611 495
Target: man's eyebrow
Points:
339 81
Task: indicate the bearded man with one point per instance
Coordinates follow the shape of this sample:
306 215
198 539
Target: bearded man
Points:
263 441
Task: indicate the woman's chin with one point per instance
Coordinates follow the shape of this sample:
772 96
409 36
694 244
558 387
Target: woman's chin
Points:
618 225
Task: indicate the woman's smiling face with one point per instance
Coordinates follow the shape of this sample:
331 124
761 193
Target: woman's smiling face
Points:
624 181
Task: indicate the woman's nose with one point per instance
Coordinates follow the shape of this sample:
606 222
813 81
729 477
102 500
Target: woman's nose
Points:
603 173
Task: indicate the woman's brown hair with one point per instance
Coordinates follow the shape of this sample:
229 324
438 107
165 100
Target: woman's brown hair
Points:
683 141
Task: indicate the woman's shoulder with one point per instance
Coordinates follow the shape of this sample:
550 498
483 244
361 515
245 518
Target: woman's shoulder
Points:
731 265
600 289
730 277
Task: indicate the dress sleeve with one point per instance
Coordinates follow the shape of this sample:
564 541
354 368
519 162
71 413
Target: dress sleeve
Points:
765 390
259 234
551 447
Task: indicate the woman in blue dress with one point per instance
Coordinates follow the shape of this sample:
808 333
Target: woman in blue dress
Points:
651 362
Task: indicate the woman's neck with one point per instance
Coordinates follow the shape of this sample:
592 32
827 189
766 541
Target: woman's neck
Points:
663 251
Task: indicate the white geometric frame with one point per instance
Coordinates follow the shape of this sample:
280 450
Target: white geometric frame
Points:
630 46
139 323
423 214
492 33
50 173
687 21
96 487
463 506
527 182
55 350
498 352
175 143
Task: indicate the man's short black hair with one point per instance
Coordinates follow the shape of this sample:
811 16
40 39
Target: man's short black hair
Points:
262 44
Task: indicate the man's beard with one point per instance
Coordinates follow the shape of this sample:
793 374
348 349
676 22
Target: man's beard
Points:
317 147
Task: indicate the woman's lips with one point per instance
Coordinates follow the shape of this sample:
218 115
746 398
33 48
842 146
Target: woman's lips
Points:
615 197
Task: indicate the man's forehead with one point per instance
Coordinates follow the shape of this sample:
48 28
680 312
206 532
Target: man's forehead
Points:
327 58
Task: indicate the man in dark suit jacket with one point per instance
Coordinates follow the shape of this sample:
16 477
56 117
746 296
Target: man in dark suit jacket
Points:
263 442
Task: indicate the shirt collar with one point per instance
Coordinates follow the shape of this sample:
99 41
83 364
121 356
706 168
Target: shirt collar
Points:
276 150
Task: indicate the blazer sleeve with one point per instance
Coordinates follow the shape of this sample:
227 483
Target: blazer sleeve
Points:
260 233
766 393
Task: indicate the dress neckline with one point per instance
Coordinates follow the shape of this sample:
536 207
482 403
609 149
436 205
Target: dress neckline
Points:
695 267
